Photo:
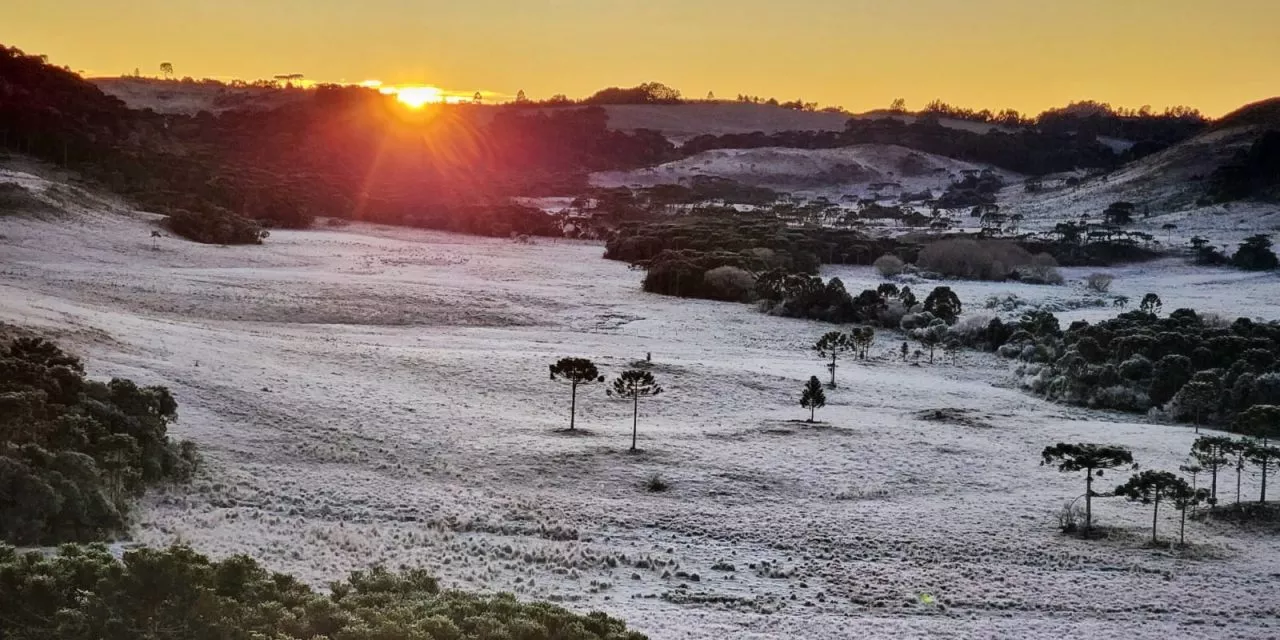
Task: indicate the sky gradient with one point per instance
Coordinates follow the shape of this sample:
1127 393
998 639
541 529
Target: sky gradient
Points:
860 54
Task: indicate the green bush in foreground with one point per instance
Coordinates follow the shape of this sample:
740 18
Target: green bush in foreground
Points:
86 593
74 452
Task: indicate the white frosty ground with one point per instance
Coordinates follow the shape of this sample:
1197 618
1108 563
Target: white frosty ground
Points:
380 395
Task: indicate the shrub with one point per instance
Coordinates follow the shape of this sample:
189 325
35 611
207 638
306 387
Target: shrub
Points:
973 259
889 265
1042 270
1099 282
656 484
215 227
729 283
85 593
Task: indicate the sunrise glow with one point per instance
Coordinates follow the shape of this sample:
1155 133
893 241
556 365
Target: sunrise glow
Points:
415 97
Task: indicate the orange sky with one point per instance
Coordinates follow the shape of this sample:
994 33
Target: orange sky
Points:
1025 54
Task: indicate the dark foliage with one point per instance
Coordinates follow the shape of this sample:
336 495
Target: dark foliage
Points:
75 453
1255 254
336 151
84 593
1254 173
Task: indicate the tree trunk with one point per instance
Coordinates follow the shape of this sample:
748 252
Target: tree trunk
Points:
1262 498
833 370
573 404
812 408
635 417
1182 529
1088 500
1213 484
1155 512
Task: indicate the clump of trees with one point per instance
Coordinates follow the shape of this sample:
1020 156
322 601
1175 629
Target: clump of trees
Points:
1196 368
631 385
85 593
75 453
975 259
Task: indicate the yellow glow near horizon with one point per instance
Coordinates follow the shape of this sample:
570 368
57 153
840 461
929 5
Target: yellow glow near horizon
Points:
415 97
861 54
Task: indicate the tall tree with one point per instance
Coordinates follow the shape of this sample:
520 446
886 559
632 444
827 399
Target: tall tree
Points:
943 303
863 338
1150 487
166 70
813 398
1090 458
634 384
1184 501
1213 452
830 345
1261 421
575 371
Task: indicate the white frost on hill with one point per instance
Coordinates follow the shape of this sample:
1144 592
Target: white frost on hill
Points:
380 395
847 169
1165 186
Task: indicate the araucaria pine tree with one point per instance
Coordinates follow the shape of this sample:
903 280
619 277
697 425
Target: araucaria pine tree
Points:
1213 453
632 385
575 371
1091 459
830 345
1150 487
813 397
1262 421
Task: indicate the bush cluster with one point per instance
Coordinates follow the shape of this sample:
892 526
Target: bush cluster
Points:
84 593
1196 368
974 259
74 453
215 227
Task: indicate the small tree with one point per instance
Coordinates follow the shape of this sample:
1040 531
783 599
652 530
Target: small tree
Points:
943 303
931 336
830 345
1150 487
1150 303
634 384
521 98
1199 397
1255 254
1265 458
862 338
1213 452
1184 501
1090 458
166 70
813 398
575 371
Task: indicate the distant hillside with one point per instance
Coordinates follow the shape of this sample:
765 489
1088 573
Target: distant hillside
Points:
854 169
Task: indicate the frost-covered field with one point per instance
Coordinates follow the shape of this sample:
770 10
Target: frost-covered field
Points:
380 395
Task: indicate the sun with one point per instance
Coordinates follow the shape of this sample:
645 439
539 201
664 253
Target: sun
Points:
417 97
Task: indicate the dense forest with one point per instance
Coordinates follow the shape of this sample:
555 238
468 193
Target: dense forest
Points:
75 453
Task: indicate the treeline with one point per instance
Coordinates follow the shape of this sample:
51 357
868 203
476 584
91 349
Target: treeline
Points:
1196 367
75 453
342 152
85 593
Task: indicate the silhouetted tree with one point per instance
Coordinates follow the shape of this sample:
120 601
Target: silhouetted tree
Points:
1255 254
166 70
1150 487
634 384
943 303
830 345
1151 303
575 371
1090 458
521 98
813 398
1213 452
1119 214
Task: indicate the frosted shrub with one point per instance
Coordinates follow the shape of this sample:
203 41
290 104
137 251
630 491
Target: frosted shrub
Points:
971 329
1042 270
889 265
1120 397
1009 350
973 259
1135 368
1099 282
729 283
892 313
913 321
